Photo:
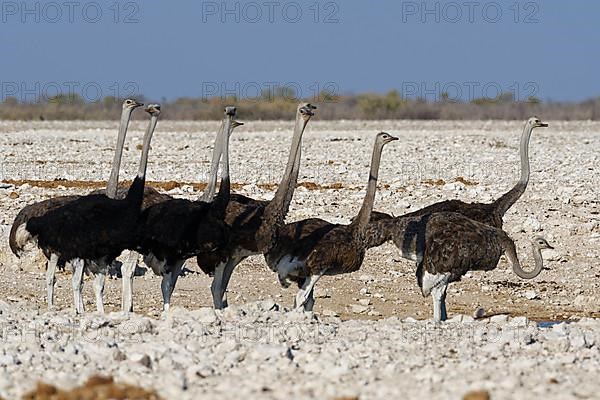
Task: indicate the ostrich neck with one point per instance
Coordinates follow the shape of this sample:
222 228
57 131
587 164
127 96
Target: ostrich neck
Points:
209 192
146 147
364 215
225 187
280 203
537 256
294 179
511 253
511 197
113 181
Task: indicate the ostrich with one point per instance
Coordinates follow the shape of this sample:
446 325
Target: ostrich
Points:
129 266
254 224
175 230
19 237
329 249
488 213
94 229
446 245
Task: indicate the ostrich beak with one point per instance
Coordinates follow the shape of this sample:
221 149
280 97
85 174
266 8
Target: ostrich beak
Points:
237 123
543 125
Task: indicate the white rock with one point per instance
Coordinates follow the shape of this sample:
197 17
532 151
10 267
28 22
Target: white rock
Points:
530 295
499 319
364 302
358 309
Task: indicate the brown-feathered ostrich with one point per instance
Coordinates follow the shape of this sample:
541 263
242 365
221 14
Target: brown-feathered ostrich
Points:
254 224
93 230
329 249
19 237
175 230
488 213
447 245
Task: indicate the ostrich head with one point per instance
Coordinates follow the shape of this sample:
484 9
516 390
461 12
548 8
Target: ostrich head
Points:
540 243
384 138
306 110
535 122
230 110
153 109
131 104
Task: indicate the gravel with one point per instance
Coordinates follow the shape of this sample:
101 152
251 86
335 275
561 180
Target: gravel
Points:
260 349
370 336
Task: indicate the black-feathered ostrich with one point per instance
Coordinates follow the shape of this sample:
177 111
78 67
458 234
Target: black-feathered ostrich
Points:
19 237
175 230
93 230
253 224
129 266
329 249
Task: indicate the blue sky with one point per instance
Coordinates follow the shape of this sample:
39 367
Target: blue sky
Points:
168 49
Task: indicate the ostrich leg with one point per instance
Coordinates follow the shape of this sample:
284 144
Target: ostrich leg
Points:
216 287
168 283
127 273
78 265
222 276
439 303
305 294
51 279
310 301
99 278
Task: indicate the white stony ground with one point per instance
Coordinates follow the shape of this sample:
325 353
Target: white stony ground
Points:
376 349
261 351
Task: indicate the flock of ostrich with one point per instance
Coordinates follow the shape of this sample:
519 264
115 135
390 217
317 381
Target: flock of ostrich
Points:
221 228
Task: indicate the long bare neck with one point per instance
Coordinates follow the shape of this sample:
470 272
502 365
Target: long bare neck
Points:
280 203
146 147
504 203
294 179
222 198
113 181
135 194
511 253
209 192
362 220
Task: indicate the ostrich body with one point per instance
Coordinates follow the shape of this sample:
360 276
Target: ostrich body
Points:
447 245
94 229
308 249
254 224
19 237
177 229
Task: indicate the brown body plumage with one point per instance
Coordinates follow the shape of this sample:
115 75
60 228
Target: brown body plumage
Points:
306 250
447 245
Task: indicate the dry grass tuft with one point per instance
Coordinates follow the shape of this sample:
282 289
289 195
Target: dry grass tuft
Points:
477 395
96 388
